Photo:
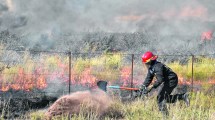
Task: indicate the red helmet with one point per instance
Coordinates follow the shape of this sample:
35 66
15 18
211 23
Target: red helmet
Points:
148 56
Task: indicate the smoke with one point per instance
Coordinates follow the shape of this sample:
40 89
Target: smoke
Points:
96 101
167 19
114 16
10 5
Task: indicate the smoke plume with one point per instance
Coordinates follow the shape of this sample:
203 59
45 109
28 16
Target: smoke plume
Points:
169 20
114 16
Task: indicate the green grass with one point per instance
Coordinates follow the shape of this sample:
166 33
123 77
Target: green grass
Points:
106 66
202 107
203 69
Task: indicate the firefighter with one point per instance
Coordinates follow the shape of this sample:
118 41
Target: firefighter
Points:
165 78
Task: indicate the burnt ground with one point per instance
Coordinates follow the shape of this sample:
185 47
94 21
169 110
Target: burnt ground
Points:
16 103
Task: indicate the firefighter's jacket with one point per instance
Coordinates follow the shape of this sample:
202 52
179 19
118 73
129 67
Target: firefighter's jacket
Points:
162 73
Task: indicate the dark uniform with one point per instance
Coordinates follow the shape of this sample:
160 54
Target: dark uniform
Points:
169 81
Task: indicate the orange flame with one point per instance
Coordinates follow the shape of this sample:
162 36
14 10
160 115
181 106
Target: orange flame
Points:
195 82
5 88
212 82
86 78
181 81
207 35
24 81
198 12
41 83
40 77
125 75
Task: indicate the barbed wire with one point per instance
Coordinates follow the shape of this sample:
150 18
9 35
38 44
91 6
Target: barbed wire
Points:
67 52
35 83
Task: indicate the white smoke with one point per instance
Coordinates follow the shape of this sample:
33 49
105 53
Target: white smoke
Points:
115 15
10 5
167 19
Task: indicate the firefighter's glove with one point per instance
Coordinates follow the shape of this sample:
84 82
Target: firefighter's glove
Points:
143 89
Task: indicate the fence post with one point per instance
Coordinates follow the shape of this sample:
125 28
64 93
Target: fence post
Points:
70 59
132 72
192 70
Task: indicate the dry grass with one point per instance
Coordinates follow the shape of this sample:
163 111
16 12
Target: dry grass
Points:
203 69
201 108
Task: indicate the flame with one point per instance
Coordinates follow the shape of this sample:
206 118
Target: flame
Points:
125 75
24 81
40 77
86 78
41 83
182 81
184 13
207 35
212 82
197 12
5 88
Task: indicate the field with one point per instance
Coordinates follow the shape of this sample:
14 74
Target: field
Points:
201 108
50 50
89 70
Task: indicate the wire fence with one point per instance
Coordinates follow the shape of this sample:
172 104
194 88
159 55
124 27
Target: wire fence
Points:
34 73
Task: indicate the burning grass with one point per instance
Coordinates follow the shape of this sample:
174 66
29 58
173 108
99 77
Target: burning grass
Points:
201 108
29 75
32 73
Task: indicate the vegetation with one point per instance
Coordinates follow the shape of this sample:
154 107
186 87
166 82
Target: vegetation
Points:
22 67
203 69
201 108
91 42
109 67
35 69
